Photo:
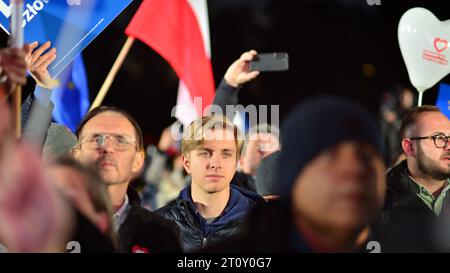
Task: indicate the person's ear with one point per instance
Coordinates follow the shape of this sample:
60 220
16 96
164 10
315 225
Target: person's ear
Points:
138 161
186 163
408 147
75 152
241 161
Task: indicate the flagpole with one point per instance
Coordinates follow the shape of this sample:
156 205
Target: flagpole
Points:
17 42
17 106
112 73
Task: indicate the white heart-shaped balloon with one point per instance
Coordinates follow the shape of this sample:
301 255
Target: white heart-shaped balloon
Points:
424 43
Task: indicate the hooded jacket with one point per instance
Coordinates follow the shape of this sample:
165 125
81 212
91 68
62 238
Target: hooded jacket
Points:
194 229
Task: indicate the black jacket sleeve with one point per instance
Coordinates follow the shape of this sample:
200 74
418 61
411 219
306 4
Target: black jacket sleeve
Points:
226 95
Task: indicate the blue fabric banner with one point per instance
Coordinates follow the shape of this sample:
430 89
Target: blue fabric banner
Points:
69 24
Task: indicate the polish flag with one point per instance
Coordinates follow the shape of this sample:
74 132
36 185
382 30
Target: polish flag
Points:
179 31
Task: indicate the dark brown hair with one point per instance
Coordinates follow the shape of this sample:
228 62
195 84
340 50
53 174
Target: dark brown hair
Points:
102 109
410 119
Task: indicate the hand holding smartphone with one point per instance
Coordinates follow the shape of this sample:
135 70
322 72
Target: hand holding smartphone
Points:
275 61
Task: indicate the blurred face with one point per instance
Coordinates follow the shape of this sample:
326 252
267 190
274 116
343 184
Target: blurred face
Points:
390 116
213 164
115 165
433 161
407 98
343 188
70 183
258 147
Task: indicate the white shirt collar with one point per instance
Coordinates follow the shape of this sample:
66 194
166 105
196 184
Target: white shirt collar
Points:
121 214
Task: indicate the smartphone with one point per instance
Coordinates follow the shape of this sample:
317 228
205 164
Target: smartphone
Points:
275 61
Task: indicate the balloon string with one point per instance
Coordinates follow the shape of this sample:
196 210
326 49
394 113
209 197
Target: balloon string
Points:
420 98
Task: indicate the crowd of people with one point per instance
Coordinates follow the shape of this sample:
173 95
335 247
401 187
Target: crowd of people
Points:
323 183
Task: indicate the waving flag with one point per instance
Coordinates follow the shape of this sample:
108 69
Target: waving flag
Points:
71 97
178 30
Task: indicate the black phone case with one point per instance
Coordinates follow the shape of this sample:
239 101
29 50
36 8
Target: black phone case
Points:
277 61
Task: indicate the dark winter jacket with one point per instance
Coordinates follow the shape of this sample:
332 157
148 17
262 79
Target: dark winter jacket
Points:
195 231
146 231
226 95
269 228
244 181
406 222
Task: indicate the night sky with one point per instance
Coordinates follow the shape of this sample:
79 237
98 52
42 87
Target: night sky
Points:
329 42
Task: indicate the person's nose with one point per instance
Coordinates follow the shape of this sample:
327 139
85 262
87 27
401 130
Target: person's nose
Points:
215 162
107 146
352 160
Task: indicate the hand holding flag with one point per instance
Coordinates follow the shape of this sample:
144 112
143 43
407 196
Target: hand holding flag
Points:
13 69
12 60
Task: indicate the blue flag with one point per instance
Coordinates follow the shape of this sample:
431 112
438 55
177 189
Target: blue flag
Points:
69 24
443 100
71 97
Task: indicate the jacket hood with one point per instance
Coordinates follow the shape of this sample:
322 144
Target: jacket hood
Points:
238 205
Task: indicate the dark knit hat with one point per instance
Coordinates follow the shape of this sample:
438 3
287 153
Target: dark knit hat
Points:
267 179
317 125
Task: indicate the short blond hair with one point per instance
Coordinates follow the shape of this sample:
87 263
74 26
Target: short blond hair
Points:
195 133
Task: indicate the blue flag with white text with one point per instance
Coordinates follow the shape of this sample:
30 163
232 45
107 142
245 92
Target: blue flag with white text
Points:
69 24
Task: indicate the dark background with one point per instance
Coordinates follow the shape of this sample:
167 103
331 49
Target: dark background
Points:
329 43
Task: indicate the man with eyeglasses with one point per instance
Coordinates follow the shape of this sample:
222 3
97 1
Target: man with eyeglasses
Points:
417 188
110 140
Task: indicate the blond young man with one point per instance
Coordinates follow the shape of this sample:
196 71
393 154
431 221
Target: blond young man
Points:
209 209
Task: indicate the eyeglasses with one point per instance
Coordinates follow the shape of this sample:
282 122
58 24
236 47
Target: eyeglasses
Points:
440 140
98 140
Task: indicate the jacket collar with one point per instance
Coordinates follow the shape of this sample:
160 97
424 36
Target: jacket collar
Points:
133 197
399 195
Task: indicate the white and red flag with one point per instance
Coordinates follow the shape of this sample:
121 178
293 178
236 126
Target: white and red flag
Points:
178 30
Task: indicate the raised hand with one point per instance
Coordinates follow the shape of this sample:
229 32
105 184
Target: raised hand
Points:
13 68
38 62
239 72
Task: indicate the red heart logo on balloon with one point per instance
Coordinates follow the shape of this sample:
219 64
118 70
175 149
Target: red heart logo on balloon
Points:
423 41
440 44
